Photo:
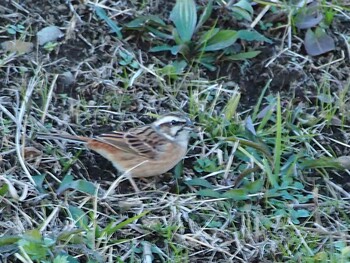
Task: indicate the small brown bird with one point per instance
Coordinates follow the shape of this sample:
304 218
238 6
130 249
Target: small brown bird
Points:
143 151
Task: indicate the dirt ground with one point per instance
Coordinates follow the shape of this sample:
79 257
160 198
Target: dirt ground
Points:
91 94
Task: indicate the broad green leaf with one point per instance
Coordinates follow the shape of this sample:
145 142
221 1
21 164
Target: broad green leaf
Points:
158 33
286 195
243 9
252 36
79 185
64 259
300 213
178 170
209 66
205 15
199 182
173 49
33 244
179 66
207 59
240 13
206 165
184 17
254 186
243 55
246 5
221 40
101 13
236 194
39 180
161 48
79 216
207 35
209 193
174 69
318 42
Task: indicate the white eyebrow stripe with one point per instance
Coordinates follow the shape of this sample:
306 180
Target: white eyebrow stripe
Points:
168 119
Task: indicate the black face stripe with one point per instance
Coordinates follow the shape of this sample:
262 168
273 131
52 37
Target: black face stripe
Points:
180 130
173 123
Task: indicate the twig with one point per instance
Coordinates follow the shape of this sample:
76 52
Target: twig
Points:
19 127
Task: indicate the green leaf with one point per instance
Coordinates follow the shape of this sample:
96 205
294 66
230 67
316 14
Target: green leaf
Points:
207 35
318 43
329 16
173 49
221 40
301 213
33 244
79 185
112 227
184 17
205 15
255 186
61 259
174 69
208 66
7 240
243 55
178 170
4 189
236 194
79 216
207 59
249 35
209 193
159 34
206 165
241 14
39 180
243 9
101 13
246 5
199 182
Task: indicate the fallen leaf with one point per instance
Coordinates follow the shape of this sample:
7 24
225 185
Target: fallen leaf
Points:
48 34
318 42
18 46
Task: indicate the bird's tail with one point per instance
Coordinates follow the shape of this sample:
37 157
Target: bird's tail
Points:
67 137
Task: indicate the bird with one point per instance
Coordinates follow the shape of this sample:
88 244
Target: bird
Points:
143 151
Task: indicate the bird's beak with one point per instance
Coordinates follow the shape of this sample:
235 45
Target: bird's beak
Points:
190 126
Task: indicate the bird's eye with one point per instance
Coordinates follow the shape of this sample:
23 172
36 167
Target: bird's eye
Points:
173 122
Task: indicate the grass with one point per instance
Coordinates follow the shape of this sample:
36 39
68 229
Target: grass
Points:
265 178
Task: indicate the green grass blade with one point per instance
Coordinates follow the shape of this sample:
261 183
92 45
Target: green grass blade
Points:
278 144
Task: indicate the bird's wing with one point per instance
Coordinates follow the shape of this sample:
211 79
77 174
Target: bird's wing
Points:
142 141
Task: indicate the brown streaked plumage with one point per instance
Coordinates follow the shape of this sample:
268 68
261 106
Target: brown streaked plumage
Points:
143 151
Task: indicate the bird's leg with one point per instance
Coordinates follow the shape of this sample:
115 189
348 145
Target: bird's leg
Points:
132 182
